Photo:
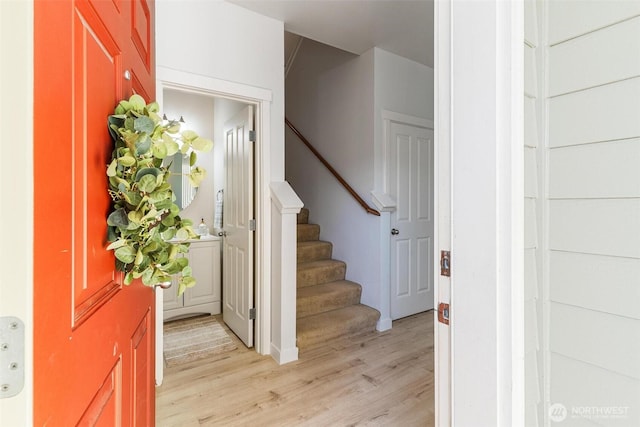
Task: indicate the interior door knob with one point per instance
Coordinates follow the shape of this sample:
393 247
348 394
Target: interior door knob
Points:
222 233
395 231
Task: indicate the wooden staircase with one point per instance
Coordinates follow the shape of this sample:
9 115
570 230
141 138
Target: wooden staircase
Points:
328 306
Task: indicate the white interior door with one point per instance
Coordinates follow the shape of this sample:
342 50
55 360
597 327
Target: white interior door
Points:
237 270
410 183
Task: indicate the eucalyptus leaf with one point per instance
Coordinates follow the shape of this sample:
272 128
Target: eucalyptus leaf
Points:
197 175
147 171
117 244
143 144
182 234
151 247
118 218
129 124
132 198
152 214
137 102
172 267
169 233
126 160
135 216
159 150
126 254
153 107
146 276
189 281
181 288
170 221
123 107
128 278
202 144
111 170
147 183
173 128
112 233
139 258
144 124
186 271
161 258
171 144
188 136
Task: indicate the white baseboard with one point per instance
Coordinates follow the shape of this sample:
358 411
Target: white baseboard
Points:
284 356
383 324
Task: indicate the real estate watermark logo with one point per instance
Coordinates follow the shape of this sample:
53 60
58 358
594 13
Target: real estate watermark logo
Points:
559 412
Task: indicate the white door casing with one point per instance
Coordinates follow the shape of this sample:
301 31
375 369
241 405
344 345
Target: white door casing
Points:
410 184
442 213
238 242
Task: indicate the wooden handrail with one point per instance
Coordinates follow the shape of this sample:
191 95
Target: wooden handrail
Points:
335 173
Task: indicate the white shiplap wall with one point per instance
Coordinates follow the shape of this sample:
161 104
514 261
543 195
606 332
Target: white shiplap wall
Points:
593 193
532 153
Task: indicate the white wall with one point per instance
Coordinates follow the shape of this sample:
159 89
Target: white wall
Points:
220 40
593 199
16 187
336 100
534 118
402 86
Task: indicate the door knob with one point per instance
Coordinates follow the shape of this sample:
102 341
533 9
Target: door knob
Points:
395 231
222 233
163 285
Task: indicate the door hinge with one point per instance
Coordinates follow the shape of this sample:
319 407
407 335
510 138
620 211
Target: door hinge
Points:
445 263
252 225
252 314
443 313
252 135
12 359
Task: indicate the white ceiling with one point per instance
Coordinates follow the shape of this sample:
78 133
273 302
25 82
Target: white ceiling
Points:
404 27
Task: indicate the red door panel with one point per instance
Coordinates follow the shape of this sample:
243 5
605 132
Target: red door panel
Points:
93 337
96 77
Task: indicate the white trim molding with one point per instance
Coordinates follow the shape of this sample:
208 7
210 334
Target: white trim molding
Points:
261 98
285 205
487 192
16 187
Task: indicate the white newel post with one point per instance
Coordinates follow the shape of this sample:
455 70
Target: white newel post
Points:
385 204
285 205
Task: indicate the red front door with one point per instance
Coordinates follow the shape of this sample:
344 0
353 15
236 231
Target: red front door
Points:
93 336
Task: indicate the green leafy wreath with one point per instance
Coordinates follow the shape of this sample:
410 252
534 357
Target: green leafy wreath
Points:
146 232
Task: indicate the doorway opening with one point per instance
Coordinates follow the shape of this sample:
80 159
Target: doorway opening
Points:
207 106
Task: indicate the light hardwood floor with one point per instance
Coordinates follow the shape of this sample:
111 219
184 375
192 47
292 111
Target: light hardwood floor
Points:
381 379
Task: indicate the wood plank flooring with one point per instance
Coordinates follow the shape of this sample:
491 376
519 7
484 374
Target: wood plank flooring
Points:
374 379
